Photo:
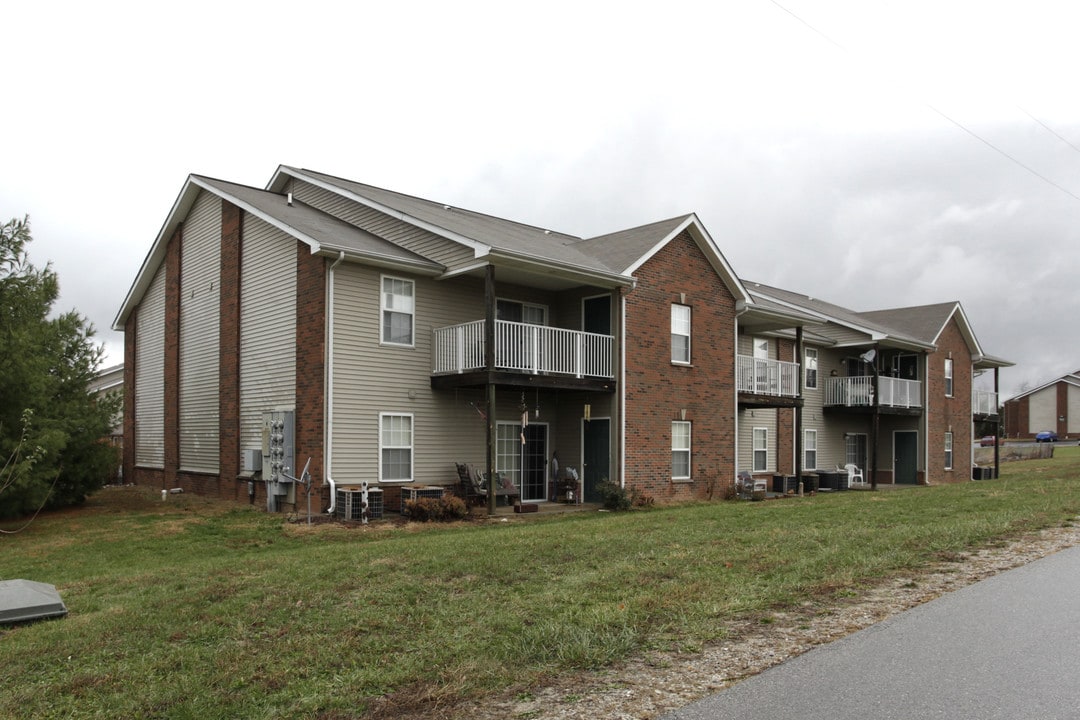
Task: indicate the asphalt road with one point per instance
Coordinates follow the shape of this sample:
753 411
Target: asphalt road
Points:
1005 648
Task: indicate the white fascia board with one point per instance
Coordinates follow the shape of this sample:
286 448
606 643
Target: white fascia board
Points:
823 316
153 258
368 202
711 250
553 267
965 330
417 267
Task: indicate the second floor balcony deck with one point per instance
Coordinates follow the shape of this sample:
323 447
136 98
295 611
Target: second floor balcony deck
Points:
767 382
984 402
524 354
858 392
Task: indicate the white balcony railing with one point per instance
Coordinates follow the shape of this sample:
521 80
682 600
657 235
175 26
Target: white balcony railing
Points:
858 391
984 402
524 348
767 377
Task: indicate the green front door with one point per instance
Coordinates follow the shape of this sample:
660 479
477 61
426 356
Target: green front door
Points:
906 449
596 439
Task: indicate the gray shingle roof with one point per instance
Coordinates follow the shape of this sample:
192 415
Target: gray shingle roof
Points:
495 232
620 250
314 225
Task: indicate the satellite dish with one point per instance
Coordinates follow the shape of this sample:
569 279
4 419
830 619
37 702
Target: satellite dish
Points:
868 356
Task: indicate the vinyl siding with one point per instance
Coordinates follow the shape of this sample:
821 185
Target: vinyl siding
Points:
200 294
370 378
403 234
1042 410
762 418
267 326
150 376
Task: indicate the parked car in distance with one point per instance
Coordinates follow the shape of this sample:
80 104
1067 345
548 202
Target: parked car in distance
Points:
990 441
1046 436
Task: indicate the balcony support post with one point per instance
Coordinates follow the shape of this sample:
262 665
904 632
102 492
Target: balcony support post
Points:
489 365
799 359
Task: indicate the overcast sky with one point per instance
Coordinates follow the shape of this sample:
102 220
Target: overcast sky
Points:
867 153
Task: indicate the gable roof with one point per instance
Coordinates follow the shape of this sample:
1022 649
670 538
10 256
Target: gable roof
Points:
628 250
323 233
1070 379
499 241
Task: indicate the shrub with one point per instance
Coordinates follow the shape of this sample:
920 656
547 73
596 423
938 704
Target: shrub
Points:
613 496
444 509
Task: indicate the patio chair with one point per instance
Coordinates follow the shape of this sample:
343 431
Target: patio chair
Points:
854 475
746 485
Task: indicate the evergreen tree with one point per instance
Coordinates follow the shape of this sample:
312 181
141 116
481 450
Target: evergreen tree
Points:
52 428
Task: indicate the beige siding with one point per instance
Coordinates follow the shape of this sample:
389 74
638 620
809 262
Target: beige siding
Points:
401 233
370 378
200 295
267 326
1042 410
150 376
761 418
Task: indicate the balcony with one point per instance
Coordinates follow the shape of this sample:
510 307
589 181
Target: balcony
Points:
858 392
524 355
984 402
767 382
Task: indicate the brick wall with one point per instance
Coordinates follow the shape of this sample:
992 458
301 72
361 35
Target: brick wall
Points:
129 398
657 390
173 258
310 371
229 360
945 413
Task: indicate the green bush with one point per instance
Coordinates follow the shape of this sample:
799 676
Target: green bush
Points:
613 496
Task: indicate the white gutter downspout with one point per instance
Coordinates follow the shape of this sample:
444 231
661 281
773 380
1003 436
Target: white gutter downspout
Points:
328 441
735 384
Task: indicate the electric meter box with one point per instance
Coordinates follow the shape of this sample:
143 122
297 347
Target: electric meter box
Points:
279 456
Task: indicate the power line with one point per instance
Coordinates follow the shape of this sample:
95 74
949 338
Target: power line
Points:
957 123
1049 129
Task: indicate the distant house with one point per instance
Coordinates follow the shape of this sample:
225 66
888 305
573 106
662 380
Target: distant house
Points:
381 338
1054 405
106 382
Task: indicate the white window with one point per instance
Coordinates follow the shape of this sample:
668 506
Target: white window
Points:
395 448
948 451
948 377
680 334
809 449
680 450
508 451
855 449
761 449
398 309
811 367
514 311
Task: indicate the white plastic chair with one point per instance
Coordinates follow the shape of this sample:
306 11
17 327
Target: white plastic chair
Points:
854 475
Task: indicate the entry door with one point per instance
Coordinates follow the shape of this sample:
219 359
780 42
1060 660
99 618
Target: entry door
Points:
596 314
534 463
596 447
524 465
906 465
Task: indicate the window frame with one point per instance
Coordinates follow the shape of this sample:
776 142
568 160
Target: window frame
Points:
411 447
688 450
689 322
524 306
852 452
754 449
807 449
948 377
807 384
385 312
948 450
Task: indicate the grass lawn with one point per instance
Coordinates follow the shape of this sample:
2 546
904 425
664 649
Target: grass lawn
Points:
193 608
